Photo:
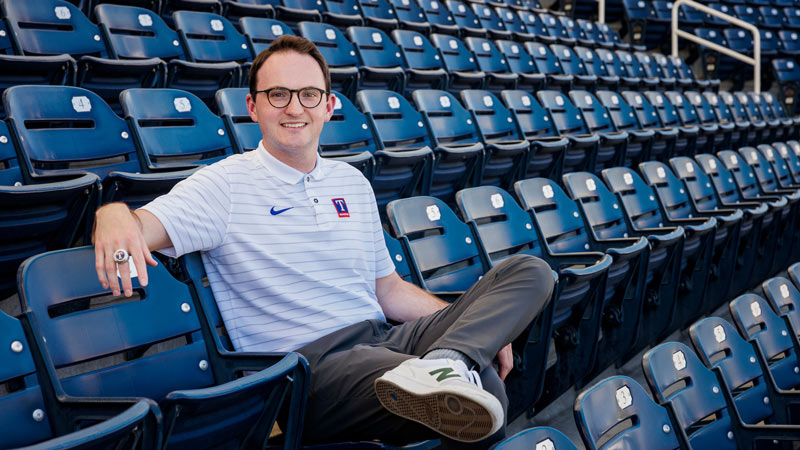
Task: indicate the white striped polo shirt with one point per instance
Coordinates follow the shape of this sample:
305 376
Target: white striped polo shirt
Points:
290 257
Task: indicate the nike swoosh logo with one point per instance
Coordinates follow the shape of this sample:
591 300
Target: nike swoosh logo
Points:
275 212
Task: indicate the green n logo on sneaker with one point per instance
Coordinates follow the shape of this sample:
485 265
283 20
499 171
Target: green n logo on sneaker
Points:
444 373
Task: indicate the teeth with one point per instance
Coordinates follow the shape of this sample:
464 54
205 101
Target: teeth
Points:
293 125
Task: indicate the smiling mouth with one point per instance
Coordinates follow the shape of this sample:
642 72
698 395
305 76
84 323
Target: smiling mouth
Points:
293 125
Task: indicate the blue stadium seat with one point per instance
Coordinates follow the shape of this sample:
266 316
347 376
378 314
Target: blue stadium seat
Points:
664 266
460 64
688 135
378 14
771 129
411 16
56 422
567 120
210 38
618 413
521 63
556 29
342 13
536 27
741 41
644 23
790 46
794 274
613 144
405 159
424 67
595 35
130 37
640 142
260 32
652 69
561 224
787 74
784 298
338 52
381 64
88 137
513 23
58 70
571 64
742 132
490 21
238 411
347 137
708 136
676 204
707 117
236 10
665 141
174 128
611 35
635 69
292 12
439 17
595 66
784 168
773 112
792 14
755 320
168 7
55 27
539 437
39 214
614 67
716 22
681 72
575 32
506 151
452 131
715 65
245 134
449 267
546 156
465 19
645 214
402 263
547 63
493 64
504 229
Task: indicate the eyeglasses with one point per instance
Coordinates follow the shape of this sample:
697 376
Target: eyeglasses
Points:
280 97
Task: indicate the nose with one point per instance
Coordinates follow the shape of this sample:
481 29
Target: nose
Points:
294 107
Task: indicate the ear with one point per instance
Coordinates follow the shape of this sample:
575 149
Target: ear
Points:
251 108
330 105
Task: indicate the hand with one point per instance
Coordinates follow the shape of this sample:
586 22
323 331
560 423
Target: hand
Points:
117 227
505 361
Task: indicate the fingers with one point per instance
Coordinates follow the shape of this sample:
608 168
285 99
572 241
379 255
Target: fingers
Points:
139 255
125 276
111 271
99 265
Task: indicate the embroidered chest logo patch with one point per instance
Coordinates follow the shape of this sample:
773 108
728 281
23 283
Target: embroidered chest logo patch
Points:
341 207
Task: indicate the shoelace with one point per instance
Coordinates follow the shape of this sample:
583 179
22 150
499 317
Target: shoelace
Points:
474 378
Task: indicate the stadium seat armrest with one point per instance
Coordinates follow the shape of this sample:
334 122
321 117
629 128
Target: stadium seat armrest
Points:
596 269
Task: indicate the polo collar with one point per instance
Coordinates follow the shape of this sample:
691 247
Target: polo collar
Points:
285 173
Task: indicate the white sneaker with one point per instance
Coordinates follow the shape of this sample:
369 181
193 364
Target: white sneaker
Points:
443 395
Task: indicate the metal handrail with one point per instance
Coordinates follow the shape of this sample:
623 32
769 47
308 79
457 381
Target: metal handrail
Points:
755 61
601 11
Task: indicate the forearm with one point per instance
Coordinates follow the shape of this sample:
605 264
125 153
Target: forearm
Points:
402 301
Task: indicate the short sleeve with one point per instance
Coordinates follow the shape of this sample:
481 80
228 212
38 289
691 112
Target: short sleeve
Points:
383 262
195 212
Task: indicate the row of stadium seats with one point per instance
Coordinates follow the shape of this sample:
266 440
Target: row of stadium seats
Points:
436 149
736 388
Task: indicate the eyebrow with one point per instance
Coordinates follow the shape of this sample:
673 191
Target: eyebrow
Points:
298 89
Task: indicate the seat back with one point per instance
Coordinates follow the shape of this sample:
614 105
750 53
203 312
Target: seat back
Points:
677 376
649 64
612 63
409 12
10 173
752 110
632 65
764 106
618 413
637 197
718 344
736 108
703 109
570 63
210 37
667 66
792 159
557 215
572 28
668 187
52 27
378 9
335 48
397 125
342 7
260 32
594 113
526 111
771 16
567 118
683 70
786 70
738 39
554 26
538 438
493 120
232 106
441 246
374 47
399 258
621 114
591 31
488 17
517 59
137 33
779 165
599 205
770 43
543 58
743 174
488 56
683 107
174 127
534 24
756 320
720 176
698 184
504 228
646 113
437 12
455 55
417 50
591 62
722 111
22 393
447 120
762 169
511 21
73 131
666 110
785 299
463 15
347 132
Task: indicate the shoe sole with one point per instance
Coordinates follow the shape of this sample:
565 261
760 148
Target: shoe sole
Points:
451 415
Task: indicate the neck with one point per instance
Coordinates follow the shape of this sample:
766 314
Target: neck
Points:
303 162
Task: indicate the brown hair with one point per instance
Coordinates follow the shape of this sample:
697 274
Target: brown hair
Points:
289 43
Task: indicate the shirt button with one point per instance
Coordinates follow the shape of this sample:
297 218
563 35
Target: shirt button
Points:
316 200
308 179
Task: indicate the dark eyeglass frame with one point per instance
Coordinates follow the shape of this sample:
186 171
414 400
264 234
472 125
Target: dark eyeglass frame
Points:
292 92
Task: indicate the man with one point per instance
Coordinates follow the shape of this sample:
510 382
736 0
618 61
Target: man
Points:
291 272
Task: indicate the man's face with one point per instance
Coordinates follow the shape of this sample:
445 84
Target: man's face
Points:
294 130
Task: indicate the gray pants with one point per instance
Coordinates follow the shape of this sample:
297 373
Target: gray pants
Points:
344 364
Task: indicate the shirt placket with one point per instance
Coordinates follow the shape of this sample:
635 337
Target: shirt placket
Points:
313 193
